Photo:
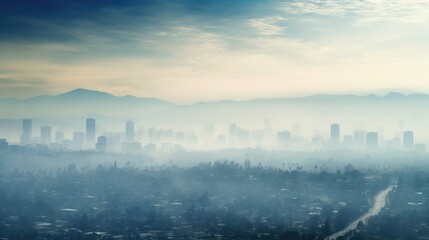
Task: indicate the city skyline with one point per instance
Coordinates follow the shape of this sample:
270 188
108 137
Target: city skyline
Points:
214 49
130 140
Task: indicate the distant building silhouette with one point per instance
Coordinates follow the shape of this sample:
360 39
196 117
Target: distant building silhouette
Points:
78 141
420 147
59 137
296 130
113 141
27 132
221 139
243 136
132 147
233 133
372 140
359 138
268 132
283 137
129 132
90 133
101 144
335 133
151 147
4 145
408 140
45 135
348 140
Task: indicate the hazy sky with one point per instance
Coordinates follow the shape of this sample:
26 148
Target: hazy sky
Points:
186 51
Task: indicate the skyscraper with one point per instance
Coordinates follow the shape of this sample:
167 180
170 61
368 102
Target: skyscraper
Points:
27 130
90 133
45 135
335 133
372 140
408 140
129 131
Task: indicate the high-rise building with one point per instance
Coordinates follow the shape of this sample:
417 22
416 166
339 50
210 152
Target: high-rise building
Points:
90 133
129 131
408 140
45 135
27 132
372 140
335 133
101 145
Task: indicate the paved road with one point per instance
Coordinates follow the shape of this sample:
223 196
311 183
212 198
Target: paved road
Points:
379 203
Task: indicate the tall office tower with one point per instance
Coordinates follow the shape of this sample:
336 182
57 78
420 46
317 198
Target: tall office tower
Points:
90 133
372 140
45 135
408 140
27 131
335 133
129 131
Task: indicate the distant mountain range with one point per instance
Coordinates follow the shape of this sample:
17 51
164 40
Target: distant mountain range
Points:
83 102
80 102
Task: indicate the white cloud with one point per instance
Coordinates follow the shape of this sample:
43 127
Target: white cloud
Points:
364 12
268 25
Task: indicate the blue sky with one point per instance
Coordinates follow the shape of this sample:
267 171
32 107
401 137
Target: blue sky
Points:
187 51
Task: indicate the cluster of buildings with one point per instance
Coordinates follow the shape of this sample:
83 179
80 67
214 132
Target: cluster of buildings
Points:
168 140
80 141
371 141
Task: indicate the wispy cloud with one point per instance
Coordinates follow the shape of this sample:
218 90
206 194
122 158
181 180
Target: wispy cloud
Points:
168 50
268 25
364 12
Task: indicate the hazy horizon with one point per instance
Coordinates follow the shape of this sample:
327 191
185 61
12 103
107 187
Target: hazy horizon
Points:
378 92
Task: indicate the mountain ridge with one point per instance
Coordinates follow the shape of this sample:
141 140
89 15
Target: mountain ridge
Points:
80 102
91 94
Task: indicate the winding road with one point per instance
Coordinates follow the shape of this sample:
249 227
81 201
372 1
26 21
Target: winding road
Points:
379 203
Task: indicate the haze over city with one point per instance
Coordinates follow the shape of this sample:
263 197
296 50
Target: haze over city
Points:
214 119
